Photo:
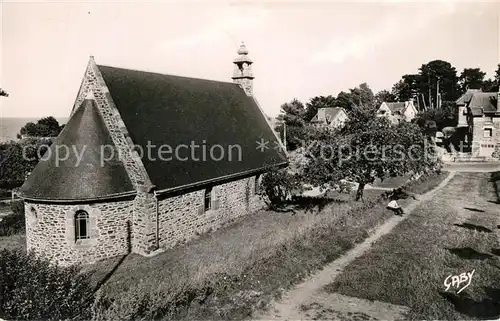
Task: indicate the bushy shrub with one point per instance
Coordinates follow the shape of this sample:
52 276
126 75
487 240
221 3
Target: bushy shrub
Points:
17 207
5 193
495 179
13 223
31 288
278 187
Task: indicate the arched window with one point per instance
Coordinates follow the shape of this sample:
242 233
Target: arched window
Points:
82 231
33 211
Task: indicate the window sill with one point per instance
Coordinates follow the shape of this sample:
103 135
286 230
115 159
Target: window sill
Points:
84 243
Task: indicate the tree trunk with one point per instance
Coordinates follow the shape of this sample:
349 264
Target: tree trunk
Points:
359 192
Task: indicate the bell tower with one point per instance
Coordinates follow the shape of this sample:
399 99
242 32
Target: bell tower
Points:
243 70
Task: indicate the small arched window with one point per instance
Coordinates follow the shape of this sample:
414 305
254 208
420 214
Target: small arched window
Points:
82 231
33 211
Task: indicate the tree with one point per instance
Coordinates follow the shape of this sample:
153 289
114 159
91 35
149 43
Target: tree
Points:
497 74
3 93
361 95
278 187
442 117
445 73
316 103
292 114
426 83
406 88
471 78
344 100
368 148
45 127
384 96
17 159
358 117
491 85
428 126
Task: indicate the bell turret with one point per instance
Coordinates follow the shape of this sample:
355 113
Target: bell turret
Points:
243 70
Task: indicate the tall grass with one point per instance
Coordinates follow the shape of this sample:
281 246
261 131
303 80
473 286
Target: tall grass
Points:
229 274
224 275
31 288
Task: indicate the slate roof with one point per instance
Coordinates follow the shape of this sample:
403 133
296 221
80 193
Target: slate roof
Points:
397 107
465 98
327 114
481 103
171 110
61 179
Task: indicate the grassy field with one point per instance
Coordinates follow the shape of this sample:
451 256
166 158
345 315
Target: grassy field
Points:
230 273
453 234
391 182
426 183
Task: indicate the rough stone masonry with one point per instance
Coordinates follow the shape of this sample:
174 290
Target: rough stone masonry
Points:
180 219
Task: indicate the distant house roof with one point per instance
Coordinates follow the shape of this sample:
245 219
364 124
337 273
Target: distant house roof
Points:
482 103
327 114
465 98
397 107
161 110
66 179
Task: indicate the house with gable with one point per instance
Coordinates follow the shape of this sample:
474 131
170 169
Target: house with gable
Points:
151 161
397 112
479 122
333 117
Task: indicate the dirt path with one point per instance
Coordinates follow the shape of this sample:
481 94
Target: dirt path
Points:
306 301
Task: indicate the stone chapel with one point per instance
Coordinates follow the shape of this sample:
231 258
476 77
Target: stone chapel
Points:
100 191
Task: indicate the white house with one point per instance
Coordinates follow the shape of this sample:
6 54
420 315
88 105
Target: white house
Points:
398 111
333 117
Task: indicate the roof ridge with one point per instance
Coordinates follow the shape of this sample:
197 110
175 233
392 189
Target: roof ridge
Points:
170 75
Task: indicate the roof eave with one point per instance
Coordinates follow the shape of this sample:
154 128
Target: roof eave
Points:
83 200
231 177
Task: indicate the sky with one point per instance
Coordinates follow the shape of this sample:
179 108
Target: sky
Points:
300 49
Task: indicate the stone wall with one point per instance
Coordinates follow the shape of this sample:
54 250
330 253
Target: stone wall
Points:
246 84
181 218
478 132
94 83
121 227
144 224
50 231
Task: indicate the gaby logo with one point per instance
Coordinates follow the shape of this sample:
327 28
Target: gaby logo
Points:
457 280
